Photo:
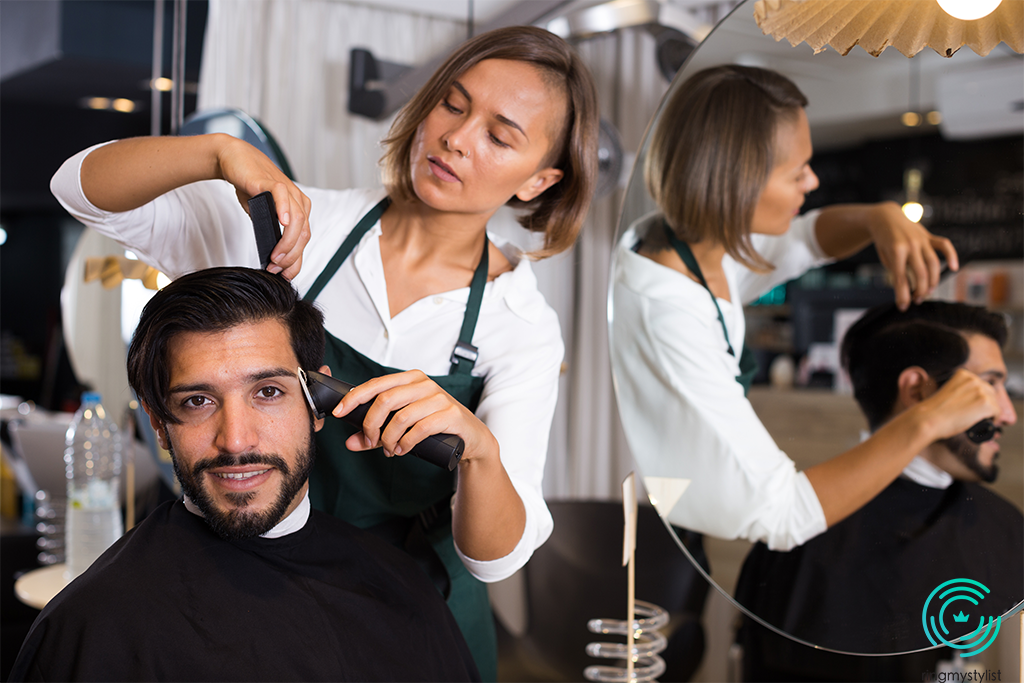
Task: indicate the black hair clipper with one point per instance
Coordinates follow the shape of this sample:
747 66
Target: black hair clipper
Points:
324 392
983 431
263 213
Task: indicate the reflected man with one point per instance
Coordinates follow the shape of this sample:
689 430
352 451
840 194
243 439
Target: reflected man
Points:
240 580
861 586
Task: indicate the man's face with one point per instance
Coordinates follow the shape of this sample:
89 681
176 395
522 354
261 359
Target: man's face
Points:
963 458
244 447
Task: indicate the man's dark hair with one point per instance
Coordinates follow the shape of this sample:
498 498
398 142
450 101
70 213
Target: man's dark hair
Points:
885 341
214 300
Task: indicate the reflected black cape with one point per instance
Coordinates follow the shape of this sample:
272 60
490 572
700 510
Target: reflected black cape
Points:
861 586
173 601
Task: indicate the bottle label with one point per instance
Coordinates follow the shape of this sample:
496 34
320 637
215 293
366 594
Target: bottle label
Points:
97 493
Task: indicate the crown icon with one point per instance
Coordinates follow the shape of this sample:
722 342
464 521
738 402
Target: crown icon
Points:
961 616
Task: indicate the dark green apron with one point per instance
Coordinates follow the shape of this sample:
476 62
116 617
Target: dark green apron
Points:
748 363
404 499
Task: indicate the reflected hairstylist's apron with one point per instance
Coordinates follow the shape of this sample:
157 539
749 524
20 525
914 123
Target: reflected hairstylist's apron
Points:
748 364
404 499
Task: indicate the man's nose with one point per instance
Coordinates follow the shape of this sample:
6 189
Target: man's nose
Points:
1007 414
237 431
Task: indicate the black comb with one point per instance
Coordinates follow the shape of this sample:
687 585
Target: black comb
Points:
263 213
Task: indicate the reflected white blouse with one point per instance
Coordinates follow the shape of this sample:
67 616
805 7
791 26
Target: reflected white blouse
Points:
684 414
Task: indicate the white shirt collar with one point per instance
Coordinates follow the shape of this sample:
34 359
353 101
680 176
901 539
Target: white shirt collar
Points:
926 474
289 525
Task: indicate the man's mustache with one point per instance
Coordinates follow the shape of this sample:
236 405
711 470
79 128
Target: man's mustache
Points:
229 460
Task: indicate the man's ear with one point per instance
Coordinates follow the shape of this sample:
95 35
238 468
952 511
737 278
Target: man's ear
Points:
159 427
538 182
318 424
914 385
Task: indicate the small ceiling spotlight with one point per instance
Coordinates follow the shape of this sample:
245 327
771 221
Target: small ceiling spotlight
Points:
911 119
120 104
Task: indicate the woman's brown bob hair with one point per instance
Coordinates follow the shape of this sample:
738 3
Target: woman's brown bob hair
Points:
711 154
559 211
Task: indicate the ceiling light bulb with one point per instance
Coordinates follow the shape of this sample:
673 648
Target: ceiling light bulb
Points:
969 9
98 102
914 211
911 119
123 105
934 118
163 84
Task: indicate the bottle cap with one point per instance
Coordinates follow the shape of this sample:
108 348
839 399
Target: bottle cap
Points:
91 397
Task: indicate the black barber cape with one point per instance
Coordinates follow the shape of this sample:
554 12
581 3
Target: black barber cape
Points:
173 601
861 586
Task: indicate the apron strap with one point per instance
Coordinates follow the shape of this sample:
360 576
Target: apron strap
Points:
362 227
683 249
464 354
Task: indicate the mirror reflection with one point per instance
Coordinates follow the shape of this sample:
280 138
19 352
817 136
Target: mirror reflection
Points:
768 165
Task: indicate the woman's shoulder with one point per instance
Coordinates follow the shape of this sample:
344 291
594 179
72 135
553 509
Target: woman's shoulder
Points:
518 289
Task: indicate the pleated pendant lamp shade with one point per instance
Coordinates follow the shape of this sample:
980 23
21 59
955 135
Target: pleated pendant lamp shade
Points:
907 25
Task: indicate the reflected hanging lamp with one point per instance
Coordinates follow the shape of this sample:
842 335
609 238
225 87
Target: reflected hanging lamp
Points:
907 25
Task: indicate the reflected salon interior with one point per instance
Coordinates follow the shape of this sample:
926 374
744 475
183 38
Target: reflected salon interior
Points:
745 345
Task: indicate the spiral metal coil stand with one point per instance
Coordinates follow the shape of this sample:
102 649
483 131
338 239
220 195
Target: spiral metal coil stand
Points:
648 665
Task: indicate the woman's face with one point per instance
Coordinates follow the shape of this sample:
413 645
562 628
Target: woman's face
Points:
790 179
488 139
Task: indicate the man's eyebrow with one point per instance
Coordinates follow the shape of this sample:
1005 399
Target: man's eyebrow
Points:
269 373
503 119
994 374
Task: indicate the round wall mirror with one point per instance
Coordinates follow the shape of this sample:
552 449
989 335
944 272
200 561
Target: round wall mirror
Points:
966 154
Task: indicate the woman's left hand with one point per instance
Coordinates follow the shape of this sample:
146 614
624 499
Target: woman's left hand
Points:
909 252
423 408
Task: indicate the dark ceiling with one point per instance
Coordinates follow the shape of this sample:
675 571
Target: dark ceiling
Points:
56 53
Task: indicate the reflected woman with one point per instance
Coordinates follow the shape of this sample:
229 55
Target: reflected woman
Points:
729 166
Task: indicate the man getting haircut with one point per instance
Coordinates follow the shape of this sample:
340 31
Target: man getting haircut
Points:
240 579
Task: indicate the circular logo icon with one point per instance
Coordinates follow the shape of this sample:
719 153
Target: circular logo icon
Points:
957 603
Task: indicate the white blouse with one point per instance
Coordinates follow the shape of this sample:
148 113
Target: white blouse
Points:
518 335
684 414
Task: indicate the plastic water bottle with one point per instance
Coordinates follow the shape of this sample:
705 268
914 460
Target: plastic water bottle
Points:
93 467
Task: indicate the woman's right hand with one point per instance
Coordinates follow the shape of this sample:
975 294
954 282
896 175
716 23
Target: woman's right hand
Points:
251 172
962 402
128 173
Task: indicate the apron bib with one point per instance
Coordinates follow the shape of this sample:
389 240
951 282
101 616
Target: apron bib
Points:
748 363
403 499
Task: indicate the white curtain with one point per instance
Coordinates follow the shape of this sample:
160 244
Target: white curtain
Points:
285 62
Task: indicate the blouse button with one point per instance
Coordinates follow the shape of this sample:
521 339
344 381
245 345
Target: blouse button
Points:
438 301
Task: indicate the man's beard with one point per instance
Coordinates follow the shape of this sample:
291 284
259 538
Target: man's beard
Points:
238 522
966 451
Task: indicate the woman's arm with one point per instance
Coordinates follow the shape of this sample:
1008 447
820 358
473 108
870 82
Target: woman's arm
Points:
907 250
129 173
848 481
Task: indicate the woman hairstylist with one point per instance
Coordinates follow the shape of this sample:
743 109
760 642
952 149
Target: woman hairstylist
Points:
728 166
424 312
